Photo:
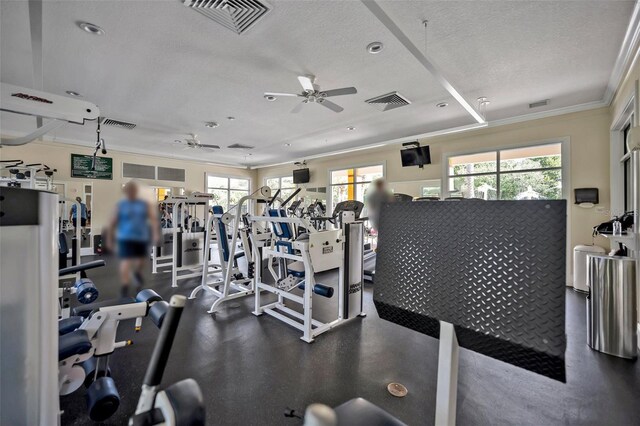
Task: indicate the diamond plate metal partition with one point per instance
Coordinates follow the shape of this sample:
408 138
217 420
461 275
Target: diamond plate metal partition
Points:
494 269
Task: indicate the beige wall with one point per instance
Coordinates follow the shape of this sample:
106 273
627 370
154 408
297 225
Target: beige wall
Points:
108 192
587 131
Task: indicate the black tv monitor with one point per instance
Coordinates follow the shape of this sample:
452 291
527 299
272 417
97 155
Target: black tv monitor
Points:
301 176
415 156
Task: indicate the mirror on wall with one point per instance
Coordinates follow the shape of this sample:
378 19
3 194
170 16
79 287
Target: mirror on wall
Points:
417 188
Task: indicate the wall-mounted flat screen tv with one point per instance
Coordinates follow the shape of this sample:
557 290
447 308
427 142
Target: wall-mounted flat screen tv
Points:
415 156
301 176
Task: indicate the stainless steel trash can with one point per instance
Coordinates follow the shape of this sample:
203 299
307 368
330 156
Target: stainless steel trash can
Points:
612 305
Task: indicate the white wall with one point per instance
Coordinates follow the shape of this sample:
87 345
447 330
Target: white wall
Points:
587 131
107 192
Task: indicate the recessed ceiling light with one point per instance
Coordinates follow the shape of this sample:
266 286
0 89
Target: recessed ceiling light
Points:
287 144
91 28
177 141
72 93
375 47
211 124
231 118
270 98
442 105
351 128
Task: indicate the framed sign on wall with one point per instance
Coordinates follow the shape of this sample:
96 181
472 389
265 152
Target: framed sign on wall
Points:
82 167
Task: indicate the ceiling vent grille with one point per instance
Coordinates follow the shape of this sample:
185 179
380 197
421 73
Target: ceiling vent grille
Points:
539 104
117 123
389 101
240 146
236 15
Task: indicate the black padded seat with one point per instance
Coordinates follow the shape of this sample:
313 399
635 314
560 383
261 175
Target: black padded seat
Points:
85 310
67 325
360 412
187 402
75 343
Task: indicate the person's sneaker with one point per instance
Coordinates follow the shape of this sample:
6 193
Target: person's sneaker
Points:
124 291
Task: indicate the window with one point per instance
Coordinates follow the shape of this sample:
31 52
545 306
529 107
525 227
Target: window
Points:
353 184
628 176
528 173
284 184
227 191
431 188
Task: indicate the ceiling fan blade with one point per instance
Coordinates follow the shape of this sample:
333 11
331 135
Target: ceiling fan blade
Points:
281 94
203 145
333 107
340 92
298 107
306 83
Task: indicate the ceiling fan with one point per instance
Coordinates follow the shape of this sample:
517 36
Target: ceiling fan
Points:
193 142
312 94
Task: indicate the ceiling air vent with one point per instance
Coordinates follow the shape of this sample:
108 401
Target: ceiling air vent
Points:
389 101
240 146
236 15
117 123
539 104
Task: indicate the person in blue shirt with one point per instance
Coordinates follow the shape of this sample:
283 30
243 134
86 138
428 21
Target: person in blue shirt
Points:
134 226
73 216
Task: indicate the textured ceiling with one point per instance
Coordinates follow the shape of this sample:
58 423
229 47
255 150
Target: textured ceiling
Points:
169 69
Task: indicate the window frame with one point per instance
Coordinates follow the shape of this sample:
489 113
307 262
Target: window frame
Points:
330 185
279 177
228 188
565 159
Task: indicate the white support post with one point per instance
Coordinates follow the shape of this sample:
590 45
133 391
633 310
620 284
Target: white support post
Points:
447 388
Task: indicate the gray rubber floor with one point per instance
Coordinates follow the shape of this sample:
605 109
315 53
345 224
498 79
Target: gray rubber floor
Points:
252 368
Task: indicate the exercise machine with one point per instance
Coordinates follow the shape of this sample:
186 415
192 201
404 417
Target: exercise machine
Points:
28 311
180 404
58 109
229 282
299 258
87 340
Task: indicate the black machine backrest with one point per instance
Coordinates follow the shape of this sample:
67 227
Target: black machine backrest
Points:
402 197
348 206
63 247
494 269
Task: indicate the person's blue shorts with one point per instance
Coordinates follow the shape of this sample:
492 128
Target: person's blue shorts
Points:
132 249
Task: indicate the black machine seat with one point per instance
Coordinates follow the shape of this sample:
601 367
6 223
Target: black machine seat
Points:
85 310
360 412
187 402
81 268
75 343
67 325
